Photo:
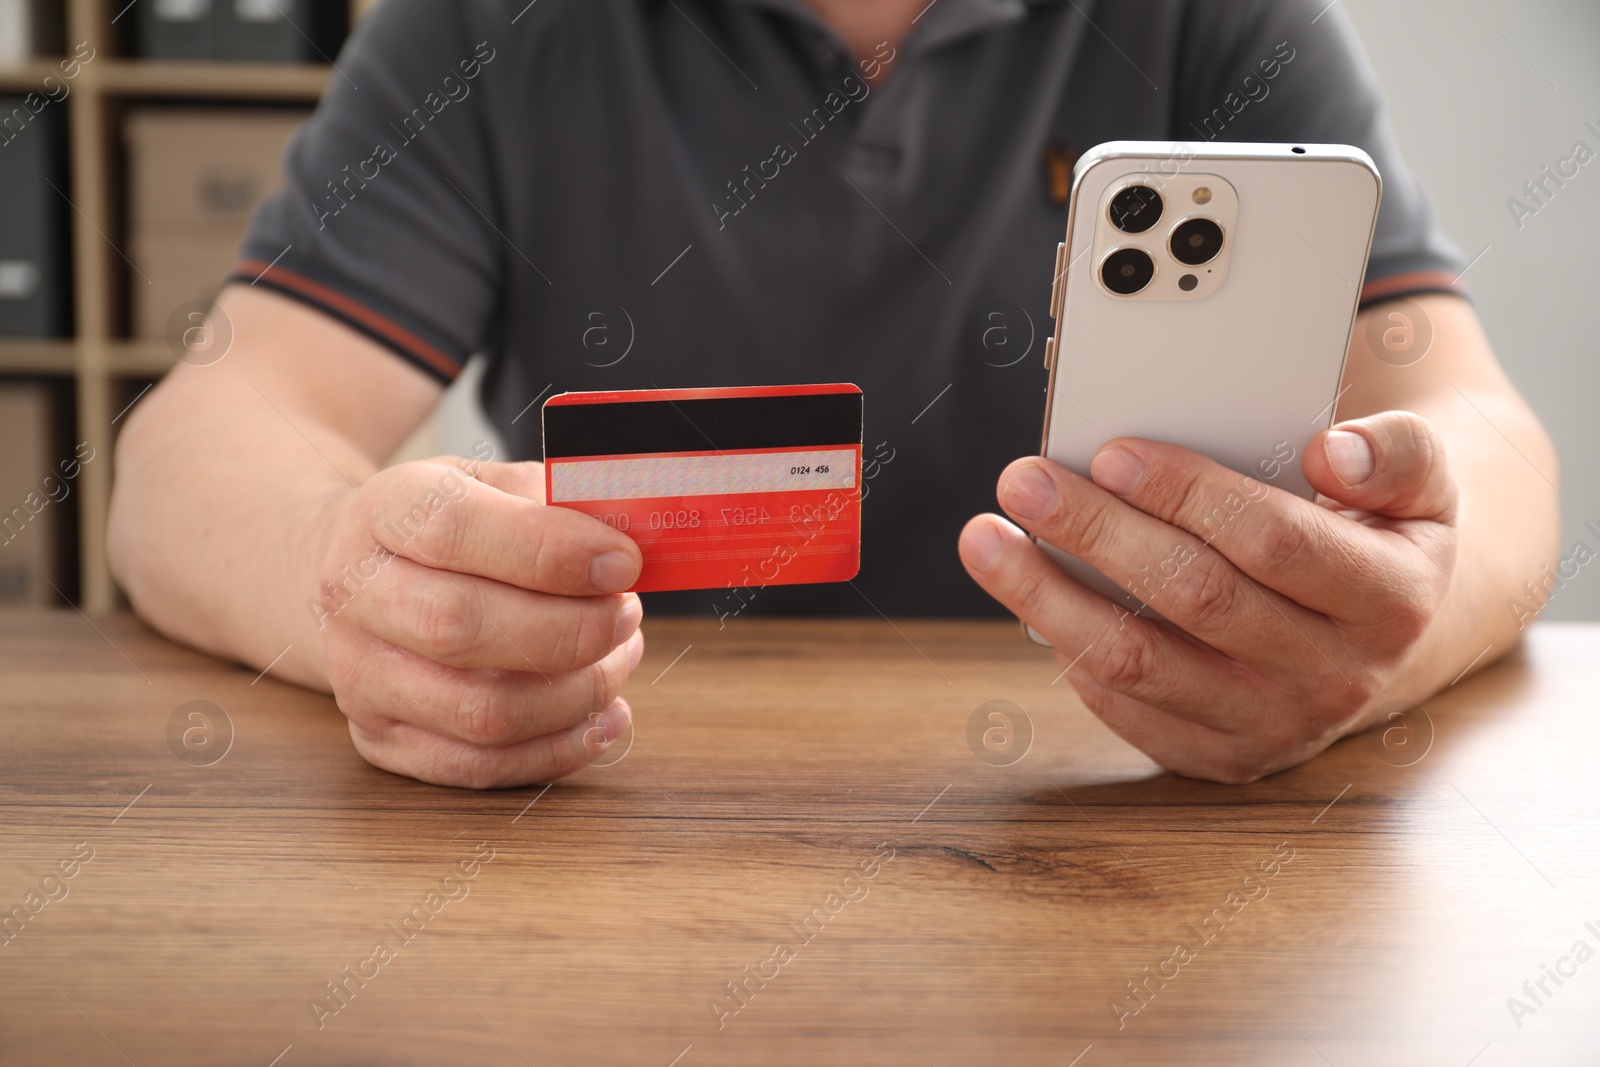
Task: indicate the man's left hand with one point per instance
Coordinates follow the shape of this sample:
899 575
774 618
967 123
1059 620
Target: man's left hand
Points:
1285 621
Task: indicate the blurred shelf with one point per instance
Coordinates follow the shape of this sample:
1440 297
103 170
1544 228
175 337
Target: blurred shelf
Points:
284 81
123 358
27 75
42 356
101 365
153 77
139 359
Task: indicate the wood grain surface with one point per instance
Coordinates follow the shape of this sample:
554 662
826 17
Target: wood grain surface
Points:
812 812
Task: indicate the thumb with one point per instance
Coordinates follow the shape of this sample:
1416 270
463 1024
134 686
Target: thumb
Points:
1392 464
524 479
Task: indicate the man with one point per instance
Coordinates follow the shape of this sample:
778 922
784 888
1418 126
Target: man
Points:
773 191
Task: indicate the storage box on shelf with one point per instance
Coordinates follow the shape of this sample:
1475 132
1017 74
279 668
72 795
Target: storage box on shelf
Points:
194 177
37 485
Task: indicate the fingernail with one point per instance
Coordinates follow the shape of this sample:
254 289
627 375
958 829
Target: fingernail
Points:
612 572
628 619
605 727
1115 471
1350 456
1030 493
636 649
981 546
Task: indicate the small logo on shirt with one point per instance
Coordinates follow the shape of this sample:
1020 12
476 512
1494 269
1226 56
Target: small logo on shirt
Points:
1058 160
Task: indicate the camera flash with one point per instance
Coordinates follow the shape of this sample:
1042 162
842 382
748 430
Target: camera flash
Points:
1202 195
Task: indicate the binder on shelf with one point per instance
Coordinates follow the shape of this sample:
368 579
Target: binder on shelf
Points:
251 31
30 28
16 30
34 238
178 29
265 31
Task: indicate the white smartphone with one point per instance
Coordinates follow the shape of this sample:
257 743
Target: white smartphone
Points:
1205 296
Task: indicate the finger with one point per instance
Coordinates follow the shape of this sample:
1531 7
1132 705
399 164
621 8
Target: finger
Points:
415 752
389 686
1311 555
1176 745
465 621
436 515
1391 463
1194 585
1094 637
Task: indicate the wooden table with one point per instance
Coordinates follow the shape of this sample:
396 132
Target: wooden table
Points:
803 810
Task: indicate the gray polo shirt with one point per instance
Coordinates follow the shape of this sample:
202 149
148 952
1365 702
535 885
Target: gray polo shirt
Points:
617 194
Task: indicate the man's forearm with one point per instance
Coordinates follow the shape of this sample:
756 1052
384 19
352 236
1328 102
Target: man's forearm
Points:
1508 525
1508 530
224 504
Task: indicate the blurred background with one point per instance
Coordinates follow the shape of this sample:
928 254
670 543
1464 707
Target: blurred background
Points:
136 137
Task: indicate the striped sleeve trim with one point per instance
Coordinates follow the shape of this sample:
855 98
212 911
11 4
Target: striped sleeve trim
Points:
359 316
1417 281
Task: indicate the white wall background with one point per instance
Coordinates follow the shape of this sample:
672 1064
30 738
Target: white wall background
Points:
1483 93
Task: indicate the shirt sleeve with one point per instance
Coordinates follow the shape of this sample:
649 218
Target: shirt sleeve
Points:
1294 70
386 219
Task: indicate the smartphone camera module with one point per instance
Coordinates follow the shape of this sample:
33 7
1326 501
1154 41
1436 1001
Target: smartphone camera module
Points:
1162 234
1127 270
1136 209
1196 241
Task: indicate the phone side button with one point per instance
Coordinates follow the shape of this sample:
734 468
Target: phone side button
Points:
1049 352
1055 285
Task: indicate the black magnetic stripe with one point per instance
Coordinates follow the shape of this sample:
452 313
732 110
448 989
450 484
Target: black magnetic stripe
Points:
733 424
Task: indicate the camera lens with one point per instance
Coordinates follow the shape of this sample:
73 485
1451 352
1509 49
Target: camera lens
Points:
1196 241
1135 209
1127 270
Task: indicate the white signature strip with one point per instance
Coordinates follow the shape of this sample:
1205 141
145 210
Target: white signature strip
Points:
731 472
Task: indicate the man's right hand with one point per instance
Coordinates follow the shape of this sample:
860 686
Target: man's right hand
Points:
476 637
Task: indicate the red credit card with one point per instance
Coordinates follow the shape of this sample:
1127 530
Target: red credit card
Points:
746 486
